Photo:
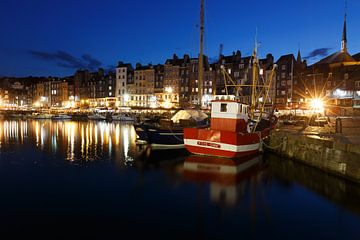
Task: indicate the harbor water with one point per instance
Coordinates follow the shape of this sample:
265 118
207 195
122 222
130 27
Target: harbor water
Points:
85 178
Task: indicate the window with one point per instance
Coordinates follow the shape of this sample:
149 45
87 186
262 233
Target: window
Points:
223 107
283 75
357 84
283 67
123 84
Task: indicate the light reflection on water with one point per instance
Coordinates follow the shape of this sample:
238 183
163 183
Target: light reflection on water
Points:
76 140
262 197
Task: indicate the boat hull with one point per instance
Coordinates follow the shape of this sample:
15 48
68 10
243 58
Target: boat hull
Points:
223 143
159 138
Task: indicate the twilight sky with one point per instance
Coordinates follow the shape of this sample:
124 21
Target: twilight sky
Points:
42 37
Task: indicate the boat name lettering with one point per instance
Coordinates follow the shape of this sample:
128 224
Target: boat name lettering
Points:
207 144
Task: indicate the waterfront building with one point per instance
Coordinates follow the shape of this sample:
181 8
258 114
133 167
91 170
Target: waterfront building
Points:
290 88
123 71
142 90
192 94
239 69
59 93
81 84
181 81
172 82
159 85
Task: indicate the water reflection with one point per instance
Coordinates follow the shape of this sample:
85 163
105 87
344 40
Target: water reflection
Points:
217 198
75 140
228 179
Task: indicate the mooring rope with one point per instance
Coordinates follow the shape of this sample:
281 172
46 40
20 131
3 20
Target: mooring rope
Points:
262 142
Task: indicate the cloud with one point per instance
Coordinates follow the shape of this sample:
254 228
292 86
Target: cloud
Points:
319 52
92 62
110 68
66 60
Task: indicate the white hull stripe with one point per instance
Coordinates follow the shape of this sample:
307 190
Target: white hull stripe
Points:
170 134
165 146
222 146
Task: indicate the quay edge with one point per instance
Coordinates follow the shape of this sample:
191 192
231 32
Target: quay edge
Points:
330 154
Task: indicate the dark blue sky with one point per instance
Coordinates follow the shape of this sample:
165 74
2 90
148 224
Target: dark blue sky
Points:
42 37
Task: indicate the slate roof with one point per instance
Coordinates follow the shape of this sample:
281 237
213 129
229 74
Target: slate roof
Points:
338 57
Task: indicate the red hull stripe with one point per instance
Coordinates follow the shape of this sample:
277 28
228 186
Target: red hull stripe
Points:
227 137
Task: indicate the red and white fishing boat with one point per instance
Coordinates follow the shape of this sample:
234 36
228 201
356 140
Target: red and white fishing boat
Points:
237 129
231 133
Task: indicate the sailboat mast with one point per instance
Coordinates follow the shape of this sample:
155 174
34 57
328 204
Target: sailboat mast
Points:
201 61
254 81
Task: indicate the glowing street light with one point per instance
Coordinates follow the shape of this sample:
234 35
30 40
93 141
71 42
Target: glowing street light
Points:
317 105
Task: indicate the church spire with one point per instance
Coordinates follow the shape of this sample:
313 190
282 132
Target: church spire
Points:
344 37
298 59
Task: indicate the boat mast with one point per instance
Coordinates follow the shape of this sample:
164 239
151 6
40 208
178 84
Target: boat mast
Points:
254 80
201 61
